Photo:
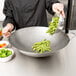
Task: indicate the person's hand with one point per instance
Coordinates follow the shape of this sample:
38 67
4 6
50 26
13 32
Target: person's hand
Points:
58 8
7 30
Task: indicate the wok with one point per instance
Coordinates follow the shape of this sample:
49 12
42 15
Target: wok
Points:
24 38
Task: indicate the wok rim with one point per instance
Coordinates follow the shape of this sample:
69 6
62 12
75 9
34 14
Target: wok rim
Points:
33 54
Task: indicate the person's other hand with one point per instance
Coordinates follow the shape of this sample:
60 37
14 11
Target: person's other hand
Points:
58 8
7 30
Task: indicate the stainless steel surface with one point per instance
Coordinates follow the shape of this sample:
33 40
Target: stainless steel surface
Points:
62 63
23 39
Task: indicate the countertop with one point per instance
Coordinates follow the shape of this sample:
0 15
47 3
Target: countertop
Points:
62 63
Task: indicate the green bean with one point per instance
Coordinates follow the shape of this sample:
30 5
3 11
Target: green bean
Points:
4 52
42 46
53 25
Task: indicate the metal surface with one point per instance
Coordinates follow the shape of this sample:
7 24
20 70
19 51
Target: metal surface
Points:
23 39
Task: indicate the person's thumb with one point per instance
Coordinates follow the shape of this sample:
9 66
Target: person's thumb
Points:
63 14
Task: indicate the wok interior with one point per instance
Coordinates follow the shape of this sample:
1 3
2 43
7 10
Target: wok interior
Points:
23 39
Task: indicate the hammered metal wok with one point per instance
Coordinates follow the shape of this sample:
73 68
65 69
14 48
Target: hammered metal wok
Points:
23 40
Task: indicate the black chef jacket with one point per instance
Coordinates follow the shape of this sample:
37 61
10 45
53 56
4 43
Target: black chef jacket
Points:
25 13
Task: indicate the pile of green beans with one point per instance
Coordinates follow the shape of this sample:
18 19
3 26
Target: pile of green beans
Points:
42 46
53 25
4 52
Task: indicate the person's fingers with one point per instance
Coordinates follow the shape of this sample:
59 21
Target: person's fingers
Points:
59 8
7 34
4 30
63 14
56 10
61 11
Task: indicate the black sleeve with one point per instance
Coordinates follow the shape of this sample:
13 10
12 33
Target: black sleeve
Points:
49 4
7 10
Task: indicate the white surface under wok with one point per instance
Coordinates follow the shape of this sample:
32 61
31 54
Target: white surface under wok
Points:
62 63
